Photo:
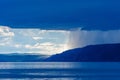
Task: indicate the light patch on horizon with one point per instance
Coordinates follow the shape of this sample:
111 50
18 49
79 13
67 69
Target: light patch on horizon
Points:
32 41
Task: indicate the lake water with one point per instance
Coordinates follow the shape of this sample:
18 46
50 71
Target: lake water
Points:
59 70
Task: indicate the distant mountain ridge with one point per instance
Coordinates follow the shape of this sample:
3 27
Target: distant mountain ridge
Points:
91 53
94 53
22 57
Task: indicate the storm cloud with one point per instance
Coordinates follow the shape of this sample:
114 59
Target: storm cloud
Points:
81 38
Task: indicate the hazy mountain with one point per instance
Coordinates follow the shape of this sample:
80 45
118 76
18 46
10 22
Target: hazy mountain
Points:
104 52
21 57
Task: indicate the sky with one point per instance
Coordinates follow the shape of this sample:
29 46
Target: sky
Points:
52 26
49 42
61 14
33 41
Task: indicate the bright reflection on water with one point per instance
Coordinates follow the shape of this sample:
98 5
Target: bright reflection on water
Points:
59 71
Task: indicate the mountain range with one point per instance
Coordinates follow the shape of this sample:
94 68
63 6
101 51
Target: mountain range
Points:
20 57
91 53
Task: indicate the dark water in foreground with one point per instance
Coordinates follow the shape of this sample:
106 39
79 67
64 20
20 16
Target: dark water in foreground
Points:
60 71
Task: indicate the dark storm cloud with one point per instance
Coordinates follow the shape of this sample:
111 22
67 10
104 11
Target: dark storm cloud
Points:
61 14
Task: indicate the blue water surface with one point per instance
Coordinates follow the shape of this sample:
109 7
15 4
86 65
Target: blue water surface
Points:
60 70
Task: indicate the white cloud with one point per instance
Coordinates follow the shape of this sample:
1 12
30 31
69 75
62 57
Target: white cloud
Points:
17 45
52 31
32 40
47 48
37 38
81 38
5 41
6 35
5 31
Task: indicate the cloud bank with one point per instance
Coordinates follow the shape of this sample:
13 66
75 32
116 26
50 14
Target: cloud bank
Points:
80 38
32 41
52 41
